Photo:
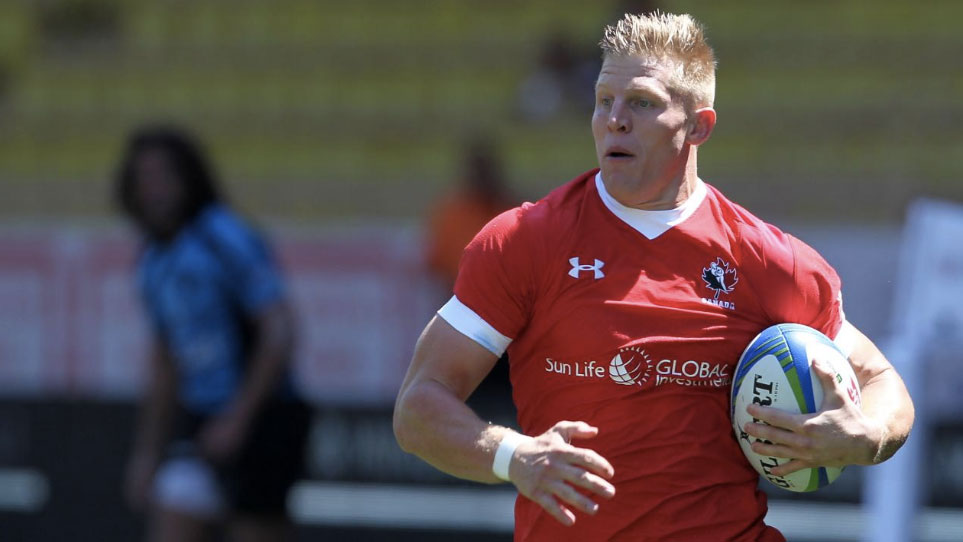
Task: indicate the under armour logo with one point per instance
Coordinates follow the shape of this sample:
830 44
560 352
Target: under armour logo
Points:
577 268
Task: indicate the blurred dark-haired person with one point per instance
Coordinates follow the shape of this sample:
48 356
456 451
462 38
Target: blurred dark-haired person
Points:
221 434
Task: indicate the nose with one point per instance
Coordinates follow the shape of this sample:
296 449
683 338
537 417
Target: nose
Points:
619 120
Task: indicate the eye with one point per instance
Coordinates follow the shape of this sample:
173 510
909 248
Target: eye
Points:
643 103
605 101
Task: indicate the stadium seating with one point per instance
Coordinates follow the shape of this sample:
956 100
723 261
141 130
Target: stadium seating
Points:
326 109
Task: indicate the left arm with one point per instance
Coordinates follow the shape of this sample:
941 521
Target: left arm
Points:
269 358
885 398
841 433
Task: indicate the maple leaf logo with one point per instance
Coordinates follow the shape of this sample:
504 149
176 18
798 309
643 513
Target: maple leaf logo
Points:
719 277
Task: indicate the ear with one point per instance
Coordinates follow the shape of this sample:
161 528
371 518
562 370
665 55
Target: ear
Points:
700 126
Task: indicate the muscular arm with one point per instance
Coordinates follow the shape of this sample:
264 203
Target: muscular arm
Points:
432 421
885 399
841 433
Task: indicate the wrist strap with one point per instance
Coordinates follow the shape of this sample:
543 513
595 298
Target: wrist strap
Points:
504 453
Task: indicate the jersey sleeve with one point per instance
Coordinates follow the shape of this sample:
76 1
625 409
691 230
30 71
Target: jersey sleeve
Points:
810 290
259 282
253 275
495 283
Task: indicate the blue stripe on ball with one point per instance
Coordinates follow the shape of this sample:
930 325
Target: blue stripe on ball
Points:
801 362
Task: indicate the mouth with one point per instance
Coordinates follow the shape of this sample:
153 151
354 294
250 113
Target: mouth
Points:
618 153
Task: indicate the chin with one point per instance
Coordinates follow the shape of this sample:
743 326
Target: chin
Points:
617 176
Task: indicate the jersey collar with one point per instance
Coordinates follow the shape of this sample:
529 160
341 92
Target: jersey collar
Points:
652 224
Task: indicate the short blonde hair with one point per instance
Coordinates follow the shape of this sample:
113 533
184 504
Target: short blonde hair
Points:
677 41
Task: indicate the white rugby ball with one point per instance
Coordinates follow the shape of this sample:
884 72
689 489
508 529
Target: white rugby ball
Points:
775 371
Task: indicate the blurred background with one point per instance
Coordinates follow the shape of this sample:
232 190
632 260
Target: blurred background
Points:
357 134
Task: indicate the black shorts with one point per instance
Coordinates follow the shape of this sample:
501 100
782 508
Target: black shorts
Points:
256 481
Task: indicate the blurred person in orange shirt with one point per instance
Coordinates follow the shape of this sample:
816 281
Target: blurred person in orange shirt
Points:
458 216
453 222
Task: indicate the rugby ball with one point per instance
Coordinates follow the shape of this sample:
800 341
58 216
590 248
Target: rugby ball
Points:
775 371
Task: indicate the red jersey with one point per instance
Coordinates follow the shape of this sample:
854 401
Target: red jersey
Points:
633 321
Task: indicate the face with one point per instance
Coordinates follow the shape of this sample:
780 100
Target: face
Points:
641 132
158 193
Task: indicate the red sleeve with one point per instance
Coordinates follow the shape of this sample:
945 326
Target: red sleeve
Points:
808 290
495 276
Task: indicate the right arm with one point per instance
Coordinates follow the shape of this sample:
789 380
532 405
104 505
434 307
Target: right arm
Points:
432 421
153 425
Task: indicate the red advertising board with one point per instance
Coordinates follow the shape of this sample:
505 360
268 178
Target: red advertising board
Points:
72 323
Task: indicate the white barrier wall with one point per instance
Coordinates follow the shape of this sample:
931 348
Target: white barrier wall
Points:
927 333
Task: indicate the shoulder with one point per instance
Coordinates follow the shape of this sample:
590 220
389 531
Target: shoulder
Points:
752 239
790 274
230 233
224 222
539 222
515 244
564 204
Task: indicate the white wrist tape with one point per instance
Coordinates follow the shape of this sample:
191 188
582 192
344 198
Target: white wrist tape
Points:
504 453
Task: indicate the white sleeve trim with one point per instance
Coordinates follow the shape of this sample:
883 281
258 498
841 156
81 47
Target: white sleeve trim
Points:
846 338
469 324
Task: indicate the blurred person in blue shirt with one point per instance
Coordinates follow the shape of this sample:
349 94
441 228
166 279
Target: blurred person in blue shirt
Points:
221 434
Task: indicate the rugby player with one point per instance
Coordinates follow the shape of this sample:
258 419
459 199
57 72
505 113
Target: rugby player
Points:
624 299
